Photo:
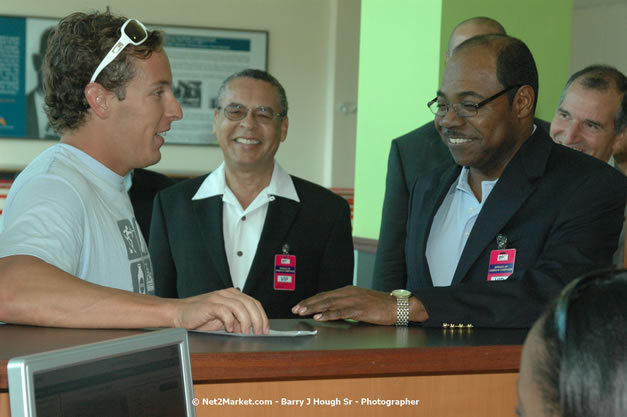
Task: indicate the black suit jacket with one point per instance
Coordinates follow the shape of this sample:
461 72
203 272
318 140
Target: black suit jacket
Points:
411 156
188 255
144 186
560 209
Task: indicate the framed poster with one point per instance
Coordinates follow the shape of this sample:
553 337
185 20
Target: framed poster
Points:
201 58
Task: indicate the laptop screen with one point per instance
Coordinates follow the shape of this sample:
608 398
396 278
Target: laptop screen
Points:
137 376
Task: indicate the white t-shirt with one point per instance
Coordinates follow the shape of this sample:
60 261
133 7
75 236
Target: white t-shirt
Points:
71 211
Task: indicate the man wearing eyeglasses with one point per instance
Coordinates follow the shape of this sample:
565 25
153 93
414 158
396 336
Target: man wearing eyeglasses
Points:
496 234
411 156
71 252
249 224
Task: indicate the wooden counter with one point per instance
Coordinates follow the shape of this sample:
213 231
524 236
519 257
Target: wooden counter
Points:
446 372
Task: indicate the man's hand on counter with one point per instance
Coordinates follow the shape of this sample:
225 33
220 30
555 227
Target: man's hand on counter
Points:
228 309
359 304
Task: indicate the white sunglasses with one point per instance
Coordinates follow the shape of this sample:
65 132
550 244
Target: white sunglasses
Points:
133 32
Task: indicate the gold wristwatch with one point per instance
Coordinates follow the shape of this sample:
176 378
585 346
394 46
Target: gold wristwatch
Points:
402 306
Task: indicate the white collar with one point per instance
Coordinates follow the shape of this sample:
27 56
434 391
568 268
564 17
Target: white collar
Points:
464 186
281 184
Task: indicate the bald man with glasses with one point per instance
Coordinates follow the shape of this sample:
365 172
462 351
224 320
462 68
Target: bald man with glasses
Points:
248 224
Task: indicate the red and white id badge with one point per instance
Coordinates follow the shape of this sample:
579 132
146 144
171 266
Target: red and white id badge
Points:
501 264
285 272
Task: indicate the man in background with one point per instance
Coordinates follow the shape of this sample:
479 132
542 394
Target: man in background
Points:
592 117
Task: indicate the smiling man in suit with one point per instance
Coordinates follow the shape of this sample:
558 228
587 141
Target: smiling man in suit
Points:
496 233
411 156
249 224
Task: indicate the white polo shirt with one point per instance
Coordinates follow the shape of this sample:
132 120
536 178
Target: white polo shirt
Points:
451 227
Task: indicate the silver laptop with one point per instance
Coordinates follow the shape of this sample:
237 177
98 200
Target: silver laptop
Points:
143 375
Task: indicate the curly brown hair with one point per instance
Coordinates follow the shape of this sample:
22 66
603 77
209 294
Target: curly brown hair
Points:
75 48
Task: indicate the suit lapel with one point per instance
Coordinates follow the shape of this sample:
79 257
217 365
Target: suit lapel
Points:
208 213
509 194
427 205
279 218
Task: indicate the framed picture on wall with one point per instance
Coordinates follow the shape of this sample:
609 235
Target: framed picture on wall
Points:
201 58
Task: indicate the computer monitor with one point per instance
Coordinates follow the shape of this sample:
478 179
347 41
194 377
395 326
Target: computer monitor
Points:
136 376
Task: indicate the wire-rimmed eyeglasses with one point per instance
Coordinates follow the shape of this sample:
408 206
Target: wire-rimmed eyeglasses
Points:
134 32
463 109
261 114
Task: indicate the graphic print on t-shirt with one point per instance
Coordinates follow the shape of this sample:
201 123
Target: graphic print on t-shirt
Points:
149 281
141 268
141 274
131 240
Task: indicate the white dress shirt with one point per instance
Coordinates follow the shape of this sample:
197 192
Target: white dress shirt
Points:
242 227
452 225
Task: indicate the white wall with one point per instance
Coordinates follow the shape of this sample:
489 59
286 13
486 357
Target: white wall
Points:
300 35
599 34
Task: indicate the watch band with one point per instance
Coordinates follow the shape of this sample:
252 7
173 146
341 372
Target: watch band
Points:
402 311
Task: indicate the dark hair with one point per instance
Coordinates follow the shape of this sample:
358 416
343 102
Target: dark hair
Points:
261 75
514 62
75 48
603 78
585 374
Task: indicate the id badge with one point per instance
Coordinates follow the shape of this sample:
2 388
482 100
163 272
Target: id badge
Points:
285 272
501 264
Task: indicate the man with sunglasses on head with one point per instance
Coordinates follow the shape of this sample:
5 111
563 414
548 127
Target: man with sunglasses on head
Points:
496 233
249 224
71 252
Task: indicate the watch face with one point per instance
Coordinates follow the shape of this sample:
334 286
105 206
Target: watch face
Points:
400 293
